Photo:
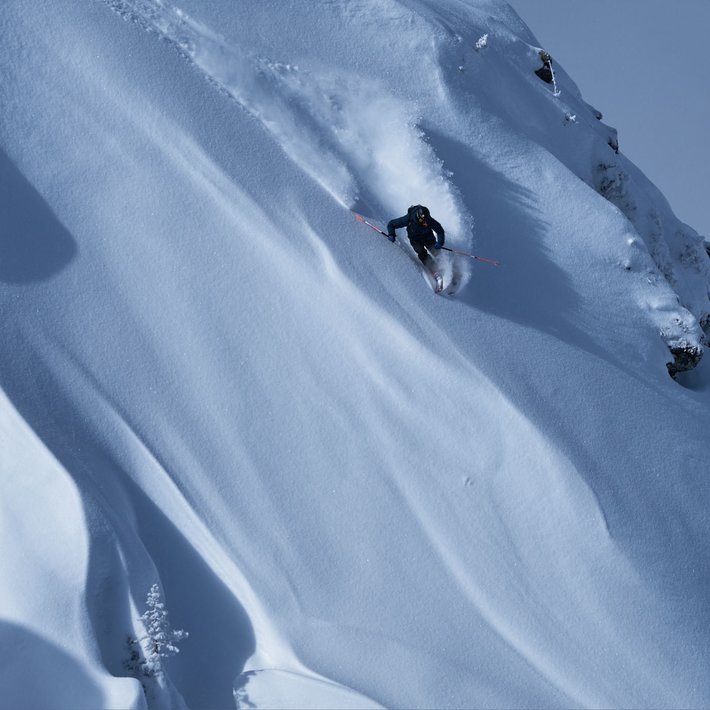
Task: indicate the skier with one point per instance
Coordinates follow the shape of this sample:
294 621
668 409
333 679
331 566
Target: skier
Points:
424 233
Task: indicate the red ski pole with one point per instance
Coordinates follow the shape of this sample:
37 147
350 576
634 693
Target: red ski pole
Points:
473 256
360 218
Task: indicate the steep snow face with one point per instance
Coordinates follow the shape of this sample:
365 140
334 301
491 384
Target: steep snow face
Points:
376 138
352 492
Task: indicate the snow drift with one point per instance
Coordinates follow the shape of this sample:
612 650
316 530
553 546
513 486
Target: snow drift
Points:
350 491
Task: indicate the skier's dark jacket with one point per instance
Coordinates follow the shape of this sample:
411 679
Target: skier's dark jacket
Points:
423 233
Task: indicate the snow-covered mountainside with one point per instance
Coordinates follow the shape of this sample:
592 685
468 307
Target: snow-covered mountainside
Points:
350 492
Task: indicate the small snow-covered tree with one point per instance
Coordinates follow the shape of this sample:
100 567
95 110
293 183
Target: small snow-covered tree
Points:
482 43
159 641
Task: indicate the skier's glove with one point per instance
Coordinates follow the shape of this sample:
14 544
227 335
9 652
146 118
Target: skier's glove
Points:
391 237
439 245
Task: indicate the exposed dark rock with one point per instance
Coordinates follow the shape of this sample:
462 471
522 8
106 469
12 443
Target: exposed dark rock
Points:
594 111
685 357
545 71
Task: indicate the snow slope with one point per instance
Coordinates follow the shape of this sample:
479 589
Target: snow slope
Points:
351 491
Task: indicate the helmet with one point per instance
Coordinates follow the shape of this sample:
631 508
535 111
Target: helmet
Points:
420 213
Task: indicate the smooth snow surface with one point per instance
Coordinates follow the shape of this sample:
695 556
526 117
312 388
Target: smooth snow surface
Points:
352 492
285 689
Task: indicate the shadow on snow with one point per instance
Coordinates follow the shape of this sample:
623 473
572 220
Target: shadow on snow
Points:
132 541
34 245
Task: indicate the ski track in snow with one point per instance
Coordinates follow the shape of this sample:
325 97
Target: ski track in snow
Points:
346 131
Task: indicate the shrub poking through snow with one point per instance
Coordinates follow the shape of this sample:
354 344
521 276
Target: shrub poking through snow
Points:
482 43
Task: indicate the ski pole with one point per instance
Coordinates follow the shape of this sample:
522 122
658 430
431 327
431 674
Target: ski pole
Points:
360 218
472 256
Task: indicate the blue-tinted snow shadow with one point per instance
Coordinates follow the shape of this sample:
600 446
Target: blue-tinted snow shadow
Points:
132 543
34 244
35 673
531 290
528 288
221 637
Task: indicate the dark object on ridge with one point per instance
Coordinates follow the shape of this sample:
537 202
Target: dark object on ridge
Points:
685 357
423 230
545 71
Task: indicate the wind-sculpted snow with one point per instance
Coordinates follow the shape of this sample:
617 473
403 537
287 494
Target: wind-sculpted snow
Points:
45 540
347 130
350 491
286 689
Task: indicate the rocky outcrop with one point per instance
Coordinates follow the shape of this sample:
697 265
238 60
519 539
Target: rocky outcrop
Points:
685 357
